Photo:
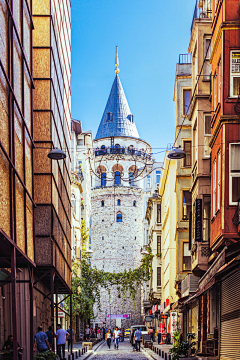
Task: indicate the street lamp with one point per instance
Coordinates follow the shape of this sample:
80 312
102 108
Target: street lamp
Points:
57 154
176 153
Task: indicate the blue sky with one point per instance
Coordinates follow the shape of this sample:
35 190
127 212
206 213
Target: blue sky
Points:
150 35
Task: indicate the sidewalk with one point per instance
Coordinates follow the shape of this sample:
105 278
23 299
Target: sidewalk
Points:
78 346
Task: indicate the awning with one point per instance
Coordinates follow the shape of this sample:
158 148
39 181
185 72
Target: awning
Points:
179 302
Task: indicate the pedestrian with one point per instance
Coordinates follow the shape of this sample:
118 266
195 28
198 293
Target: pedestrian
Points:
159 334
133 339
8 345
151 333
70 341
98 334
109 339
50 335
103 333
116 338
138 335
61 335
122 334
87 333
41 341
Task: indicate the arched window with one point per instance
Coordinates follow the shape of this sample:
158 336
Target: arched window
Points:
109 116
117 178
103 179
103 147
134 203
119 202
117 146
131 178
119 217
102 203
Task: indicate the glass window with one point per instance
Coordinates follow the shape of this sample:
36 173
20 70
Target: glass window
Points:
235 73
158 276
73 202
214 187
103 147
158 174
117 146
102 203
207 134
218 179
214 91
109 116
117 178
103 179
186 257
119 202
234 173
158 213
158 245
186 101
131 178
119 217
187 205
207 66
206 217
187 148
134 203
148 182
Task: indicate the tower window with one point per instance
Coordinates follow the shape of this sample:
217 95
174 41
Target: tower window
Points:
134 203
109 116
102 237
117 146
119 202
102 203
119 217
117 178
131 178
103 147
103 179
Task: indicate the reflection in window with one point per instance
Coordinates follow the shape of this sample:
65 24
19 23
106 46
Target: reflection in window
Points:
117 178
103 179
187 205
158 174
119 217
186 257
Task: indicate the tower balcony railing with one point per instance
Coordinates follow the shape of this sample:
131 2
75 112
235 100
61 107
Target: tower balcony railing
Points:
123 151
200 13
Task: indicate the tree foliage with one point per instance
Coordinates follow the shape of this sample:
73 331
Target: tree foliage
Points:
87 281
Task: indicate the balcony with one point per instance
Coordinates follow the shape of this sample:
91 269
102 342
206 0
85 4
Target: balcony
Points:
200 254
200 13
123 151
185 59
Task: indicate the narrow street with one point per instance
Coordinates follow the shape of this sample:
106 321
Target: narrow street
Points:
125 351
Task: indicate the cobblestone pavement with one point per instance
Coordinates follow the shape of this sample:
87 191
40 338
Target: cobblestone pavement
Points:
124 352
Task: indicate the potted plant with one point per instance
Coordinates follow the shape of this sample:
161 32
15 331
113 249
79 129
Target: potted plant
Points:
182 349
48 355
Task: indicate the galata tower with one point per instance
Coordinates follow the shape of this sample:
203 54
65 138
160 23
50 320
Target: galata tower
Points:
123 164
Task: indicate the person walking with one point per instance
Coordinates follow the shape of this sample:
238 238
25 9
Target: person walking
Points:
41 341
61 335
50 335
109 339
151 333
116 338
138 335
122 334
70 341
98 334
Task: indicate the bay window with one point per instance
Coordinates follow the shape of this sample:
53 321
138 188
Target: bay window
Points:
234 176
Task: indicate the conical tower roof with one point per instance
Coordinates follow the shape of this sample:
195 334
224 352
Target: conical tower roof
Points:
117 119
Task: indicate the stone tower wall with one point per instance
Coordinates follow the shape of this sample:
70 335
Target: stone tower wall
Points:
117 245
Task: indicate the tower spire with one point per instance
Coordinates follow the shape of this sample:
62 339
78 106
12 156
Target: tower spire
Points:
117 62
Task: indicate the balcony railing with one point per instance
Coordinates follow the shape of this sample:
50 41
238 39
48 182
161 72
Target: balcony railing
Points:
200 13
185 59
123 151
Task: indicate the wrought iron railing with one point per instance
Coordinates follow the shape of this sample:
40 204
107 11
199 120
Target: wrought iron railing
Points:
185 58
199 13
123 151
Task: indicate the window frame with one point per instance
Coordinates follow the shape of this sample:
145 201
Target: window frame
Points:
102 203
182 212
131 178
159 248
149 182
134 203
218 178
219 80
215 91
185 242
184 111
206 135
184 160
207 66
233 75
231 175
119 176
214 188
103 180
119 202
158 173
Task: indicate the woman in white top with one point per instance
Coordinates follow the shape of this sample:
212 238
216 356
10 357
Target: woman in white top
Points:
109 338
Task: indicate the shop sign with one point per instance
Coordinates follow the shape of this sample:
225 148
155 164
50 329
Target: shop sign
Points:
198 227
173 322
164 316
166 302
162 307
148 318
119 316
